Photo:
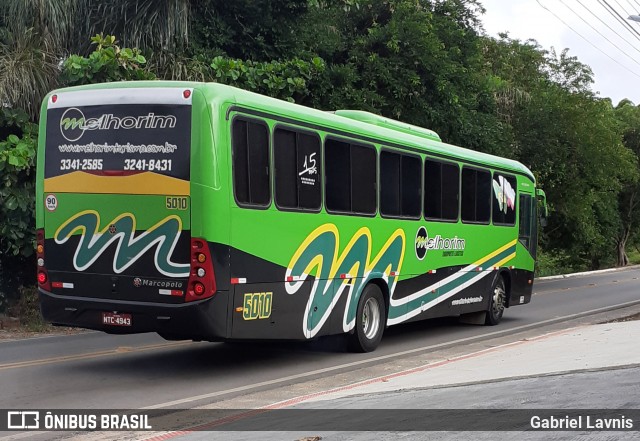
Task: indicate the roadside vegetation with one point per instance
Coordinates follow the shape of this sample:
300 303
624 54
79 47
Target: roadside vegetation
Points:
426 62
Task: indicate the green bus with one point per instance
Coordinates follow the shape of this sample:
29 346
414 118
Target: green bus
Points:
206 212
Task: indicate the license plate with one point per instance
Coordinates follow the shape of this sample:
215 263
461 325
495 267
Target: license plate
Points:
113 319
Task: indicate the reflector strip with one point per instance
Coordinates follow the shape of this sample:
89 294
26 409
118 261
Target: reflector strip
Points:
293 278
394 273
170 292
62 285
237 280
346 276
432 271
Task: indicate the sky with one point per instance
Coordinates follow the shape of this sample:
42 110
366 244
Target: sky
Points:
616 69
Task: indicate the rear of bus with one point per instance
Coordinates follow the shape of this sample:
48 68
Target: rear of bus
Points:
114 212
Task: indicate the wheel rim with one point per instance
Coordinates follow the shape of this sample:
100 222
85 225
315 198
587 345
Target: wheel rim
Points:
499 296
370 318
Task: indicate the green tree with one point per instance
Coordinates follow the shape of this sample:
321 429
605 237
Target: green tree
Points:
258 30
572 142
417 61
628 231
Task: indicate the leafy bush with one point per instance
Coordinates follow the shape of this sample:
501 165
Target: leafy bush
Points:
285 80
107 63
17 184
17 187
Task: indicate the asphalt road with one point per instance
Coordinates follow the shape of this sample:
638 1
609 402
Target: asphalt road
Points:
96 371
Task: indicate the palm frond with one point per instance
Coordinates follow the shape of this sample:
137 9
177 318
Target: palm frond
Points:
55 20
28 71
153 24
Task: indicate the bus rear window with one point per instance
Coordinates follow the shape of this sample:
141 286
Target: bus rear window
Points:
118 139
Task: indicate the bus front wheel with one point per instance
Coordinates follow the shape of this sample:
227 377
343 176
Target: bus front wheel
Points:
370 321
498 300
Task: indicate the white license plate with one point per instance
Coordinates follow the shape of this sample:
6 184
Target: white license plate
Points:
113 319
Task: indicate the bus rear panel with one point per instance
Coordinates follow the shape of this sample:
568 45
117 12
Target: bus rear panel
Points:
115 250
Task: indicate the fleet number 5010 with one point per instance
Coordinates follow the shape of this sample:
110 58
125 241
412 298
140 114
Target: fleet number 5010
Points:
257 305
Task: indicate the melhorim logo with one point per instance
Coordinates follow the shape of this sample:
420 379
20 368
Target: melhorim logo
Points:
73 123
425 243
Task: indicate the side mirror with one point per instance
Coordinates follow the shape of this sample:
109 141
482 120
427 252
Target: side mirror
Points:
544 211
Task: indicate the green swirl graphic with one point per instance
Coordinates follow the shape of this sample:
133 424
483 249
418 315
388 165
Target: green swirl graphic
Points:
319 254
164 235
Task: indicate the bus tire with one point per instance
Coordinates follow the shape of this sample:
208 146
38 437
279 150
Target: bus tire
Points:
497 302
371 319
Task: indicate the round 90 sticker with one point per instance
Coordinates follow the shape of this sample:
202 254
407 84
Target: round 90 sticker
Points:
51 202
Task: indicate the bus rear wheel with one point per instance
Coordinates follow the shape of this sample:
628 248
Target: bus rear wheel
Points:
497 303
370 321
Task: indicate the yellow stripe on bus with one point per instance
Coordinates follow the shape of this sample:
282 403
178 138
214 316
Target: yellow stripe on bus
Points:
505 260
140 183
495 253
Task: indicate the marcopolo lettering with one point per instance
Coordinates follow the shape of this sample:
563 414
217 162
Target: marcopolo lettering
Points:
161 283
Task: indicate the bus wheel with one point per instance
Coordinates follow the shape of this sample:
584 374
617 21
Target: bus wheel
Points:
498 300
370 321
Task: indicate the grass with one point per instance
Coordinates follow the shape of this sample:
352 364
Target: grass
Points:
634 256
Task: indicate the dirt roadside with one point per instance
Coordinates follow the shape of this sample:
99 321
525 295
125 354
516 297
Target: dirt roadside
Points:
11 329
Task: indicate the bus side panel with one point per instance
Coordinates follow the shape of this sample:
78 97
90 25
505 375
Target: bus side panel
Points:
266 311
434 300
262 308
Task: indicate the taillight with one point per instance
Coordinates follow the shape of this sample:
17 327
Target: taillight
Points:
43 277
202 281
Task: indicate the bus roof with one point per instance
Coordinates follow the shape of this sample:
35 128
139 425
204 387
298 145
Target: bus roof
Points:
362 124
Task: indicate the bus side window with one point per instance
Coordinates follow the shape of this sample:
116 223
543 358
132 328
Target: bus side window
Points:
441 190
297 170
350 177
476 195
399 185
250 149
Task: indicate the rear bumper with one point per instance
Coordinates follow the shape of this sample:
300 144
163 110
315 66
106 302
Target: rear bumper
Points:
201 320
